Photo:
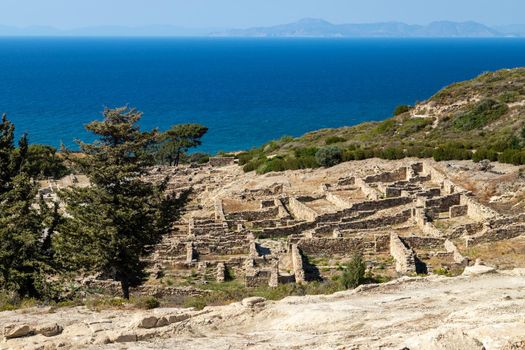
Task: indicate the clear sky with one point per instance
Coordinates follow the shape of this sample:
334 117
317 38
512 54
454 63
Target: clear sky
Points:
246 13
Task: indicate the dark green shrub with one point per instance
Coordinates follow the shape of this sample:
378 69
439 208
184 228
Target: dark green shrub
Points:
353 272
334 139
392 153
401 109
483 153
482 113
147 303
329 156
305 152
199 158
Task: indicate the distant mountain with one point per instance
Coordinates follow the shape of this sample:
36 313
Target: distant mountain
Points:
308 27
312 27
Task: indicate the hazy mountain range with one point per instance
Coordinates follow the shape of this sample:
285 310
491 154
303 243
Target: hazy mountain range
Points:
309 27
321 28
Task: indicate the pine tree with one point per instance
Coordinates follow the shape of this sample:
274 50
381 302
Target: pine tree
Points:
22 264
178 140
111 223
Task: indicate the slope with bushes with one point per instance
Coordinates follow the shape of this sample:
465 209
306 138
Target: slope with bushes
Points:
483 118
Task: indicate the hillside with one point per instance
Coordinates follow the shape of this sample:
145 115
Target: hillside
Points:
482 118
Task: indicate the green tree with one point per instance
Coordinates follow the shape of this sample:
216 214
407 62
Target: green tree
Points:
43 162
22 259
178 140
354 272
111 223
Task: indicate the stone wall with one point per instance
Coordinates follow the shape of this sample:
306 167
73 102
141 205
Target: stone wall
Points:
458 210
301 211
297 262
396 175
370 192
416 242
382 243
404 257
377 222
477 211
221 161
338 201
442 203
327 246
254 215
381 204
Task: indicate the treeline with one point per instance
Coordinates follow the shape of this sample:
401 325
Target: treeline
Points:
104 229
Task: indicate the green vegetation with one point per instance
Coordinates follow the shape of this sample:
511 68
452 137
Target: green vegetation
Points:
477 119
329 156
24 258
401 109
353 272
480 115
111 223
173 144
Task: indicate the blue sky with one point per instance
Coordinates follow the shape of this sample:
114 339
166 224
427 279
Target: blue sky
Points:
246 13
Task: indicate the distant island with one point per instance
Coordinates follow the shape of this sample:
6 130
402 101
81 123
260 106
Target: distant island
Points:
311 27
304 28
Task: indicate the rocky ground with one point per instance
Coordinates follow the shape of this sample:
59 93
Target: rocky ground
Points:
483 309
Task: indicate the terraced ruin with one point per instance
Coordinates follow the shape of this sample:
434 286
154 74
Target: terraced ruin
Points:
406 217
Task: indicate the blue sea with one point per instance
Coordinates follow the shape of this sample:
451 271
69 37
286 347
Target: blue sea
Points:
247 91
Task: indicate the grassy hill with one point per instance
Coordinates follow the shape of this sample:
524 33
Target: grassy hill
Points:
482 118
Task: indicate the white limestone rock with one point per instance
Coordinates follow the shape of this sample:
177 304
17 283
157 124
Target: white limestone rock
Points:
252 301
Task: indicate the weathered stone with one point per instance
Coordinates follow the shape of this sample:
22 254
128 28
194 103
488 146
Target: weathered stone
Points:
17 331
178 318
250 302
148 322
162 322
124 338
49 330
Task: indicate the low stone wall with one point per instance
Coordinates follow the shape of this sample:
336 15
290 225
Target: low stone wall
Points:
477 211
378 222
396 175
404 257
370 192
326 246
498 234
416 242
443 203
381 243
221 161
275 232
381 204
301 211
338 201
254 215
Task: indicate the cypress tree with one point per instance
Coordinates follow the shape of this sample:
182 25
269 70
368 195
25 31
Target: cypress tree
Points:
111 223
